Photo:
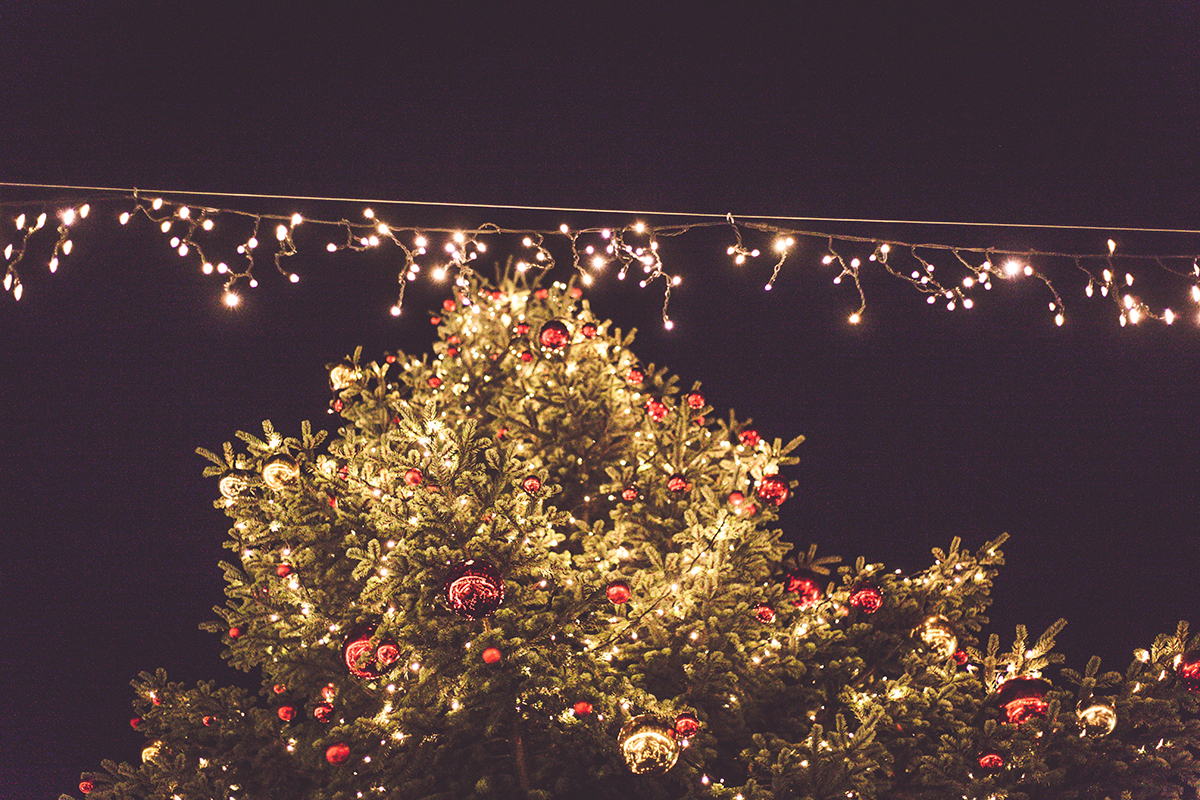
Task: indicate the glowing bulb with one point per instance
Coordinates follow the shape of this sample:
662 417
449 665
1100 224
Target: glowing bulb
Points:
231 299
157 204
68 216
420 241
1012 268
855 318
1112 247
640 227
21 221
294 278
281 232
124 218
1169 316
395 311
207 225
368 213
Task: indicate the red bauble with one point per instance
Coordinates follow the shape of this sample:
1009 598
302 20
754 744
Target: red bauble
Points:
337 754
736 498
436 320
527 356
209 721
1022 698
960 657
336 405
635 375
695 400
618 592
554 335
866 599
532 484
749 510
657 411
541 294
133 723
323 712
749 437
629 493
279 688
588 330
491 655
1189 671
156 699
474 589
991 761
583 708
361 658
286 713
329 691
344 472
522 328
86 787
413 477
235 632
764 613
807 589
452 339
448 304
678 483
387 654
772 489
686 724
283 570
434 382
451 351
576 293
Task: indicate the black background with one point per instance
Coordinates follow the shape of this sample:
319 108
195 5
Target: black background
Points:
1081 441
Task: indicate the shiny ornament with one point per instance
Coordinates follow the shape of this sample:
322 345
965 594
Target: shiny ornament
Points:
283 570
678 483
629 493
522 328
960 657
618 593
648 745
337 754
749 437
435 320
151 751
286 713
866 599
576 293
588 330
695 400
336 406
234 485
387 654
280 470
939 636
235 632
541 294
991 761
343 376
1023 698
554 335
805 587
765 613
736 499
491 655
448 304
135 722
772 489
279 688
86 787
434 382
656 409
323 712
1189 671
532 484
208 721
583 708
527 356
329 691
686 724
635 375
474 589
1098 719
413 477
362 659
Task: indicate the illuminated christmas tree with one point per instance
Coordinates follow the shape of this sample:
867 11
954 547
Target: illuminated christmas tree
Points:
531 566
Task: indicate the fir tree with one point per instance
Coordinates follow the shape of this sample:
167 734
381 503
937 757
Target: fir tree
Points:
533 567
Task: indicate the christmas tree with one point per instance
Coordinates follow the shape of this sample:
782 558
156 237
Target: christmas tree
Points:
531 566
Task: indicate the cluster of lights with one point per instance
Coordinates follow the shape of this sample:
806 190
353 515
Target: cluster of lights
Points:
957 281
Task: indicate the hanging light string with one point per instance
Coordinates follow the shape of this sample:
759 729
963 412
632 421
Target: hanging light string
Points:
594 250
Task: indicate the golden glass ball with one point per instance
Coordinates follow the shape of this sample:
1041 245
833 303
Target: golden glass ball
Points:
1098 719
343 376
939 636
232 485
649 745
279 471
151 751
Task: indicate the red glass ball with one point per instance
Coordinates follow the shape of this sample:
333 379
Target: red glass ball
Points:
133 723
554 334
283 570
474 589
329 691
764 613
629 493
434 382
772 489
541 294
209 721
866 599
1022 698
695 400
686 724
656 409
448 304
532 484
749 510
491 655
387 654
361 657
279 688
527 356
635 375
344 472
618 592
678 483
452 339
235 632
991 761
323 712
86 787
749 437
588 330
960 657
583 708
413 477
337 754
286 713
522 328
809 590
435 320
736 498
576 293
1189 671
451 351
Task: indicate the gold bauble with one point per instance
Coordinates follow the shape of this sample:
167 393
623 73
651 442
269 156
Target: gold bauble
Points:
151 751
233 485
1098 719
279 471
939 636
649 745
343 376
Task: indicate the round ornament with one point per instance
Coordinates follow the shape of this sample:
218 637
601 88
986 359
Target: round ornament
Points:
527 356
583 708
491 655
649 745
805 587
588 330
554 335
448 304
362 659
866 599
86 787
208 721
151 752
135 722
618 593
532 484
343 376
329 691
960 657
1189 671
233 485
522 328
765 613
336 405
656 409
991 761
695 400
235 632
413 477
678 483
736 499
1023 698
283 570
1098 719
939 636
279 688
435 320
772 489
474 589
629 493
337 754
287 713
686 725
541 294
323 712
635 375
749 437
387 654
280 470
434 382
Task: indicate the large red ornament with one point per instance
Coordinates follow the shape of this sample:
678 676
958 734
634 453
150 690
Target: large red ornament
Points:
656 409
749 437
434 382
764 612
387 654
532 484
286 713
522 328
323 712
555 335
337 754
695 400
686 724
772 489
86 787
618 593
808 591
1189 671
991 761
583 708
364 660
413 477
678 483
635 375
1022 698
474 589
491 655
866 599
629 493
283 570
588 330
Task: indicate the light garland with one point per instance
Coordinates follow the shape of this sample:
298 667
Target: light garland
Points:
445 253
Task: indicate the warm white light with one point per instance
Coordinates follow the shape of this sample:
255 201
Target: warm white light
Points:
231 299
640 227
296 220
21 221
281 232
1112 247
368 213
420 241
83 211
123 218
68 216
1169 316
855 318
1012 268
207 225
294 278
157 204
395 311
184 212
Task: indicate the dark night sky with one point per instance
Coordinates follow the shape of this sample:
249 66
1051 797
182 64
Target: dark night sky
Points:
1081 442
